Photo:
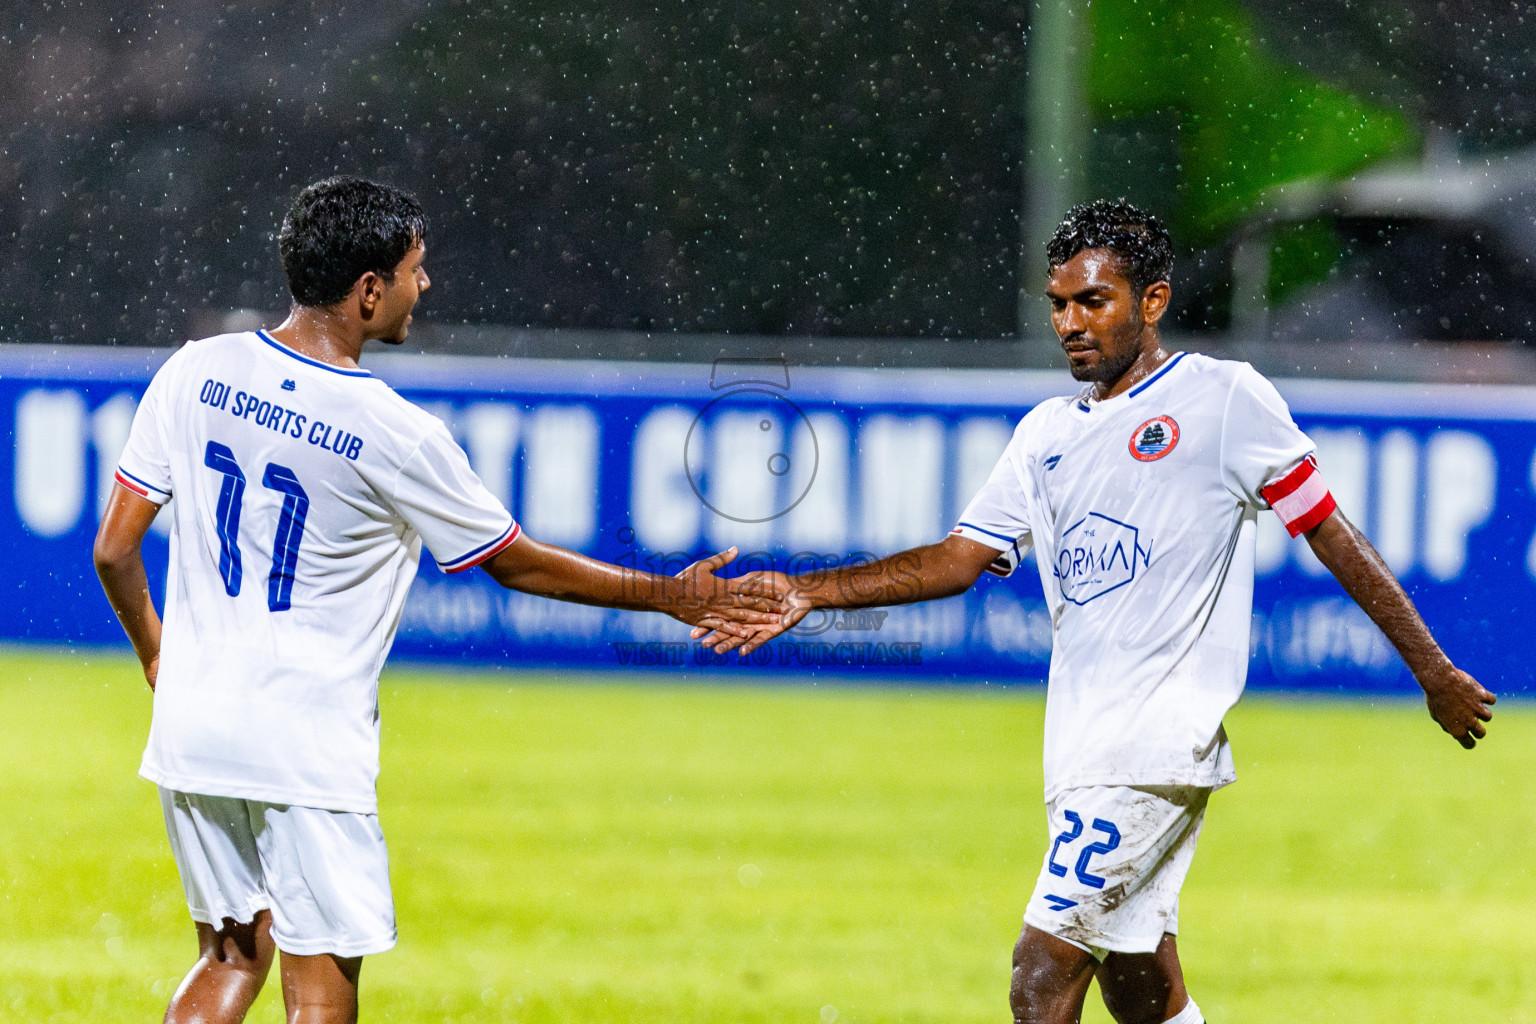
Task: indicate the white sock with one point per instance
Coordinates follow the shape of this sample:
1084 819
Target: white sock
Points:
1189 1015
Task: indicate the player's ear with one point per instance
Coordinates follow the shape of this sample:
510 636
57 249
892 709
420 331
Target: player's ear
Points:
1154 301
370 290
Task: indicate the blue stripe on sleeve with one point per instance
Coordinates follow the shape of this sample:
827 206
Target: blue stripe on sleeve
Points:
989 533
143 483
469 556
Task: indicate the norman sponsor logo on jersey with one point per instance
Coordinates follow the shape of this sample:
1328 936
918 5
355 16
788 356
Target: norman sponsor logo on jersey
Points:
1154 439
1098 554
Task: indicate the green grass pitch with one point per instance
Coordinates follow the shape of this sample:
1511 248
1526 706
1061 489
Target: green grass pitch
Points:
640 848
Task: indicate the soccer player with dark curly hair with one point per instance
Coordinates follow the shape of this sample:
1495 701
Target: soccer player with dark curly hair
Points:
1140 495
305 488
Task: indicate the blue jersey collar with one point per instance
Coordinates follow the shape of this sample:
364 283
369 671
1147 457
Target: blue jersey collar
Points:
1083 404
285 350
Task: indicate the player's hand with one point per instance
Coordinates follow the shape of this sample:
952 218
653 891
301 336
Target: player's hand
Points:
724 605
774 586
1459 703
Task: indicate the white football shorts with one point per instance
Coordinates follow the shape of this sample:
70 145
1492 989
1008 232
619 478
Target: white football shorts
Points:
323 874
1117 860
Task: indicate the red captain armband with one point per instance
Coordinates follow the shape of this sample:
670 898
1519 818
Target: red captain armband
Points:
1300 498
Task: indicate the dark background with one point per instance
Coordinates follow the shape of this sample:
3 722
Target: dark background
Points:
832 169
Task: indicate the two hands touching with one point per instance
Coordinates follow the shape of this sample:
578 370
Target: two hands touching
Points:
923 573
741 613
769 589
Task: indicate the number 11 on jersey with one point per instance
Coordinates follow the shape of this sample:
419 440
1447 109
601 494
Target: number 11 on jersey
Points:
290 524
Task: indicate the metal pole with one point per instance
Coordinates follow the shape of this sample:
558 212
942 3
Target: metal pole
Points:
1250 284
1056 111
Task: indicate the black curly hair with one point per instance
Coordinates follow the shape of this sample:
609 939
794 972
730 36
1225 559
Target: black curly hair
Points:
339 229
1139 240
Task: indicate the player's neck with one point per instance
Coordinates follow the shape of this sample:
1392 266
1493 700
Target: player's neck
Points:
322 335
1152 356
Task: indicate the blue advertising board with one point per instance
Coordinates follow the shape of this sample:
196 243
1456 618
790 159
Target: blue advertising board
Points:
653 465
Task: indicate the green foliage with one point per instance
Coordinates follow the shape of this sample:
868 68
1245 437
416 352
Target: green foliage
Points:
1246 121
618 850
1301 254
833 168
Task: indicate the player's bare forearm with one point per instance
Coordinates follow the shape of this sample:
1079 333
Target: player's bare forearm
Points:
1457 701
1365 577
120 566
925 573
564 575
694 595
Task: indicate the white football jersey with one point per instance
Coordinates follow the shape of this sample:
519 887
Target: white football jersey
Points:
303 494
1142 511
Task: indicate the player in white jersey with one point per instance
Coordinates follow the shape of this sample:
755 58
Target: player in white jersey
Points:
304 489
1140 496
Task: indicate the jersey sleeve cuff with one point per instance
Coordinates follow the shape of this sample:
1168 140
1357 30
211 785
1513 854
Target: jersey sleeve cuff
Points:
470 559
143 488
996 541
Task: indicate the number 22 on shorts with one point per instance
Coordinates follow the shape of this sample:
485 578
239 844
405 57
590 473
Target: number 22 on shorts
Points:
1070 836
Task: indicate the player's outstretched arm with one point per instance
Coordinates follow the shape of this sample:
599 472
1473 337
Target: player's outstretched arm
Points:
696 595
120 564
918 574
1457 701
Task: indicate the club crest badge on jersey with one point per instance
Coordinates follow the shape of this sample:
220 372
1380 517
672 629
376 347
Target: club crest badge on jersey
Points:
1154 439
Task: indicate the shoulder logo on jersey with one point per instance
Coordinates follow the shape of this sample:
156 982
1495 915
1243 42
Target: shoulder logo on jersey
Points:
1154 439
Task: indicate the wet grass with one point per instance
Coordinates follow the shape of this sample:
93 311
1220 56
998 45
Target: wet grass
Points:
641 849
